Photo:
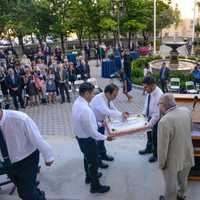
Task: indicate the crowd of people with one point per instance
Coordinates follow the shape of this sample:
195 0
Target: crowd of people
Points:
39 78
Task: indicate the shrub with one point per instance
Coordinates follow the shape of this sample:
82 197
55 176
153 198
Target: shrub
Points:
192 57
137 73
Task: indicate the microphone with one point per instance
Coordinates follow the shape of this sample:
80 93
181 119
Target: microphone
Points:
195 102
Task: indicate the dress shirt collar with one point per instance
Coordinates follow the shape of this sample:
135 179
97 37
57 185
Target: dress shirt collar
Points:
3 118
83 100
154 91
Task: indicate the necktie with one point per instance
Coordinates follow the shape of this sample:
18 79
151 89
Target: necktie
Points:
148 105
109 106
4 150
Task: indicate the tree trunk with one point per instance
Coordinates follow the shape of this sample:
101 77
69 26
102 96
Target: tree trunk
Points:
62 43
99 37
80 39
20 38
129 39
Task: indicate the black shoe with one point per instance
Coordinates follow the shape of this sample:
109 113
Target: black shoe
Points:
181 198
145 151
62 102
107 158
87 179
153 159
100 189
23 107
102 165
162 197
68 100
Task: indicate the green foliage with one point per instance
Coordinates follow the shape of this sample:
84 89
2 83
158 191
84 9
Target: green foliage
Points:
192 57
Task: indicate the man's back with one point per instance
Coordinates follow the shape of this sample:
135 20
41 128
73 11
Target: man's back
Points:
174 139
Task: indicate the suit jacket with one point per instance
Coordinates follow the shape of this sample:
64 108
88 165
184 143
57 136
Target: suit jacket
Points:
64 74
166 74
175 148
16 84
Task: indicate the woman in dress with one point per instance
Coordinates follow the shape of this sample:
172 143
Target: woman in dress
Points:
51 86
127 85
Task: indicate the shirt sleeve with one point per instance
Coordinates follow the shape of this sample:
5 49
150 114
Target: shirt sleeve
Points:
163 144
37 140
105 110
91 128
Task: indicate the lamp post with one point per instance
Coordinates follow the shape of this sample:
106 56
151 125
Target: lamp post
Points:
154 22
193 25
117 7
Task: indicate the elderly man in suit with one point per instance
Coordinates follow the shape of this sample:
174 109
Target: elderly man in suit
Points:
175 149
14 84
62 80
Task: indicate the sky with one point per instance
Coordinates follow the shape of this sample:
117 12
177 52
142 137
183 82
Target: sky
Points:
186 7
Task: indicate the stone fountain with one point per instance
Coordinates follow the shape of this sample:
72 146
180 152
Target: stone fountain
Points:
174 63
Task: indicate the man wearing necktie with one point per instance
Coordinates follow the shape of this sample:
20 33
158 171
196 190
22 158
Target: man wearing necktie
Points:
14 84
20 145
151 111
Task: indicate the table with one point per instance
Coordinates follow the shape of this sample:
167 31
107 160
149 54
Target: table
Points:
134 55
119 127
185 98
107 69
195 171
118 62
71 57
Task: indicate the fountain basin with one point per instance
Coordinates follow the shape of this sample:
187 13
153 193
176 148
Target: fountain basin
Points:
184 65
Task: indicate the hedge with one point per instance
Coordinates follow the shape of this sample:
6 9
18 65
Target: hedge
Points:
137 73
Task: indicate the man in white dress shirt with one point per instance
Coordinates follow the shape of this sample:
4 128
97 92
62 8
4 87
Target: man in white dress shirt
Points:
152 112
102 106
85 129
20 144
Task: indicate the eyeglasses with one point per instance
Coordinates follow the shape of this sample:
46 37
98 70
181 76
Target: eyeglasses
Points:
160 103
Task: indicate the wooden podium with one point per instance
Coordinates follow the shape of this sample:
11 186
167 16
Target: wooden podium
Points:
192 101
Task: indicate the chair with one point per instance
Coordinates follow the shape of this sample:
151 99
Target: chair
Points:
174 85
190 87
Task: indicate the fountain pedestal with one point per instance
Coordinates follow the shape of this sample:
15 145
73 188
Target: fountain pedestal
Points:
174 53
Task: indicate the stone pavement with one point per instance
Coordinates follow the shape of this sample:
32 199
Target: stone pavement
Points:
130 176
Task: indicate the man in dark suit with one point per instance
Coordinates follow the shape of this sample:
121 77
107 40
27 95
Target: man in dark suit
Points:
164 77
62 79
84 70
13 82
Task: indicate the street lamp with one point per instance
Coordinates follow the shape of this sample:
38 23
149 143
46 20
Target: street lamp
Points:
193 25
154 25
117 7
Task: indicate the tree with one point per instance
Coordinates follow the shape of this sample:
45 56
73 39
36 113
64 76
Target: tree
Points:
60 26
19 20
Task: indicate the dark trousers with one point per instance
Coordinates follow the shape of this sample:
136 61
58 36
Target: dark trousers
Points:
17 96
100 144
23 174
164 85
89 149
152 140
63 87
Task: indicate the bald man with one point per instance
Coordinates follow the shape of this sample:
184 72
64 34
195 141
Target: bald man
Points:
175 149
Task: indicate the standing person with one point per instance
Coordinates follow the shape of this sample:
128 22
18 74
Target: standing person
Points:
51 86
147 72
151 111
164 77
127 63
20 145
196 75
102 105
13 82
85 129
127 85
175 149
62 79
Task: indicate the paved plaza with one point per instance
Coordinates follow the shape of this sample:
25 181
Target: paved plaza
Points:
130 176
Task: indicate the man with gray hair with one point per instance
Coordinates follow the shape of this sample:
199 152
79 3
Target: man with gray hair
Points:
175 149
